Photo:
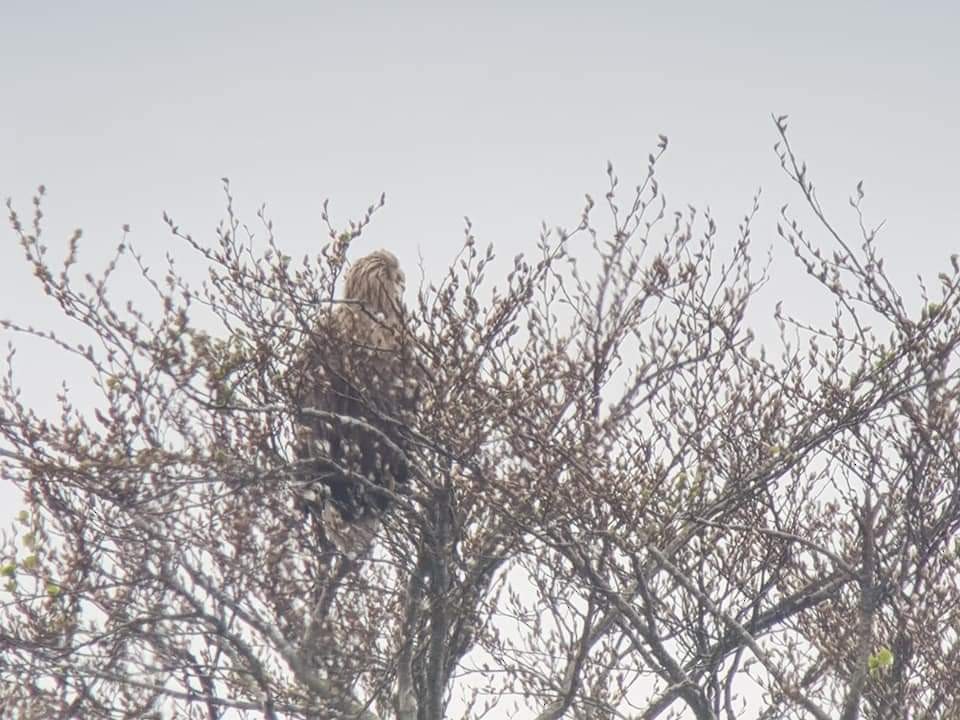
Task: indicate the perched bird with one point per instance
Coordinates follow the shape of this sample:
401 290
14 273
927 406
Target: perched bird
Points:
357 395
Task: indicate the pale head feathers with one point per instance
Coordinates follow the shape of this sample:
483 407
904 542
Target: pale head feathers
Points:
377 281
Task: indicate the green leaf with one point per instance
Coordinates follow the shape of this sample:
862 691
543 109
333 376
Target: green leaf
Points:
30 562
880 660
8 569
53 589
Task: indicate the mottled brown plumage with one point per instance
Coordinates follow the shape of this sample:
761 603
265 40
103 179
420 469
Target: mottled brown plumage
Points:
358 394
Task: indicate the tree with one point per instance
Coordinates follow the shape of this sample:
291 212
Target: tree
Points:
624 506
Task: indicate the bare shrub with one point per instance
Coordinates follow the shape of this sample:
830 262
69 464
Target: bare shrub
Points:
622 505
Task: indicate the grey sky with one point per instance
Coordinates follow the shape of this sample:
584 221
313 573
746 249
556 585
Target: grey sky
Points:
507 114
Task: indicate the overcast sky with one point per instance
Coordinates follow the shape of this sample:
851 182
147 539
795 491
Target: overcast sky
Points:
507 114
